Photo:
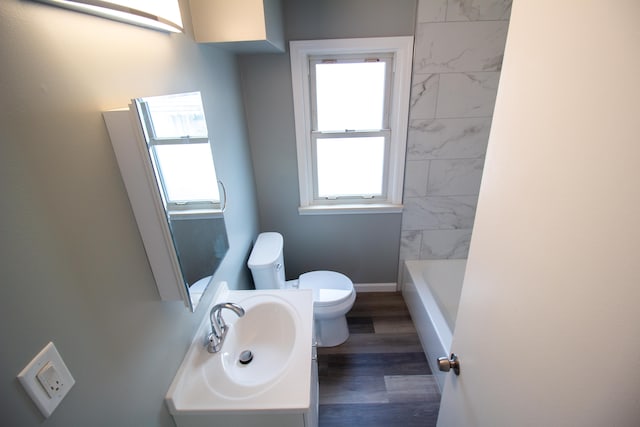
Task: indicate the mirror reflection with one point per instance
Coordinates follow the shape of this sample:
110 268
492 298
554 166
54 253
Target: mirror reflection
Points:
176 136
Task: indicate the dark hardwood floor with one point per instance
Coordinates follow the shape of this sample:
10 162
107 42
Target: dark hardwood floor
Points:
379 377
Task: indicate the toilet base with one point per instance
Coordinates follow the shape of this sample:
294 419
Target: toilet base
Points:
331 332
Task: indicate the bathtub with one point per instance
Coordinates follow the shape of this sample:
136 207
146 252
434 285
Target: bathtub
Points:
431 290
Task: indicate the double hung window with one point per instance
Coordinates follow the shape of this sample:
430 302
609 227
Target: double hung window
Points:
176 135
351 103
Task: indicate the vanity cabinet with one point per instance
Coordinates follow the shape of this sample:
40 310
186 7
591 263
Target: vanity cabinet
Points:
278 387
311 419
306 418
242 420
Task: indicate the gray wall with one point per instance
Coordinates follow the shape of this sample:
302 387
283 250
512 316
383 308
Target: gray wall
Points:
457 60
73 266
201 244
365 247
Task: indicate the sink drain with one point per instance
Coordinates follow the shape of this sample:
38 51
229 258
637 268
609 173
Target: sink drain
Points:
245 357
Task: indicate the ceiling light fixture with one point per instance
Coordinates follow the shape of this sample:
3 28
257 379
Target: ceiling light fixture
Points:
163 15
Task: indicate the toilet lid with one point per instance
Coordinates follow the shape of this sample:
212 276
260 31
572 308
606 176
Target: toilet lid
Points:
329 287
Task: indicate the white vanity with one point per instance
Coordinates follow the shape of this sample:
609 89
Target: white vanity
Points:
279 385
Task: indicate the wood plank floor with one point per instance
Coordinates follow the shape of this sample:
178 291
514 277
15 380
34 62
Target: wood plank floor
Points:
379 377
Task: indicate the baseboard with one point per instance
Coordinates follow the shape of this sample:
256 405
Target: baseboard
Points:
375 287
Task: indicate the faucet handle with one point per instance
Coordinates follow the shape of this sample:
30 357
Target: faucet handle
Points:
213 343
209 339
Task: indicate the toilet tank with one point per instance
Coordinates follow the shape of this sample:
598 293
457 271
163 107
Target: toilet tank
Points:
266 261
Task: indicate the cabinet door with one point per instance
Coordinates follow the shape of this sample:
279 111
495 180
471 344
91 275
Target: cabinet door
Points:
311 416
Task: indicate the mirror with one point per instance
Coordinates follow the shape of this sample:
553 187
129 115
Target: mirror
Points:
167 164
176 136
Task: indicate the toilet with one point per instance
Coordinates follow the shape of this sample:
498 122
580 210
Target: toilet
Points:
333 293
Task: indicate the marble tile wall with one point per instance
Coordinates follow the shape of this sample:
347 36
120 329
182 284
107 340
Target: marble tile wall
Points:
459 46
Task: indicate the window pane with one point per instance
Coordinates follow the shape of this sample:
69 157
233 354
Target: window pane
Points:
177 115
350 95
350 166
188 172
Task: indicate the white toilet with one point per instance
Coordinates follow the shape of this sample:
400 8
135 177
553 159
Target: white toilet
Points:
333 293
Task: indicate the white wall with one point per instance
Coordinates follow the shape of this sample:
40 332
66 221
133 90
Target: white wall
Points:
548 328
72 264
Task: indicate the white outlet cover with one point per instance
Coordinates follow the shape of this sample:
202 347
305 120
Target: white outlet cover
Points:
47 402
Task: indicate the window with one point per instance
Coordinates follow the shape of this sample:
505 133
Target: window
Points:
176 135
351 100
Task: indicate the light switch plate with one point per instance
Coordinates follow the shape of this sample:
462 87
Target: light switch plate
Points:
46 370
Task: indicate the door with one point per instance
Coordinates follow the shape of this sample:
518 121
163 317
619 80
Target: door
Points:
548 331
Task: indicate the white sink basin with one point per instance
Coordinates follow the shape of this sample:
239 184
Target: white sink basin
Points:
277 330
268 331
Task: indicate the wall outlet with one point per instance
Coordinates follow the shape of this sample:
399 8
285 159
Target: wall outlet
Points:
50 379
46 379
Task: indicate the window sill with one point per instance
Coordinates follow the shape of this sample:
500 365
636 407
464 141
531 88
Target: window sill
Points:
377 208
195 214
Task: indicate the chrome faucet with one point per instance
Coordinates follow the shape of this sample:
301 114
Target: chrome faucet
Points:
218 327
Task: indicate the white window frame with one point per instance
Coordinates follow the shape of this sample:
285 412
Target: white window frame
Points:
188 209
301 51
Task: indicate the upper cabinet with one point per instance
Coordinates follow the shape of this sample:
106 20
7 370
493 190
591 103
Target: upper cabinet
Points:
244 26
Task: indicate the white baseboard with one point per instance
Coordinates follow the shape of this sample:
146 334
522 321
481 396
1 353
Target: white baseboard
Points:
375 287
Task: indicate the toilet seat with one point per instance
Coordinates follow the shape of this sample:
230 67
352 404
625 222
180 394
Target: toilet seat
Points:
329 288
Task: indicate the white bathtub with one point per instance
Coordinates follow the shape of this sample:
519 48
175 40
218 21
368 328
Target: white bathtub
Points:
431 290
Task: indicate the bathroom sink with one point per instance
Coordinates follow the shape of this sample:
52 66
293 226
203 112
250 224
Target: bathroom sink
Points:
257 348
274 340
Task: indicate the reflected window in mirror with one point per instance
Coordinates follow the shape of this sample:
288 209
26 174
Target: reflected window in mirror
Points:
175 131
